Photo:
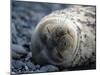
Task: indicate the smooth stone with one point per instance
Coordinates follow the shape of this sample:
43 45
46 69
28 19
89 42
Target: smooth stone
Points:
18 51
49 68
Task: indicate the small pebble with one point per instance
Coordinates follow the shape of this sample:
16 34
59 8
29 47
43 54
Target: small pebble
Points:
37 66
31 66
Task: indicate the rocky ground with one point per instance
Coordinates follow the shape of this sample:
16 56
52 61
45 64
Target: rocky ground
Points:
24 18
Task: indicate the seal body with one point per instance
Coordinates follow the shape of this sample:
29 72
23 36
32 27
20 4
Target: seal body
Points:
65 37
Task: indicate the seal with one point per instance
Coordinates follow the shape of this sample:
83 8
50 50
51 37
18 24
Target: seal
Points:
65 37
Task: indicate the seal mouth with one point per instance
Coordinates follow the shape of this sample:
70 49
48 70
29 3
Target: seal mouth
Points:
56 56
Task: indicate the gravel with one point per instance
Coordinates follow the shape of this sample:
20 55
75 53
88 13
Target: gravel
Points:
25 16
19 67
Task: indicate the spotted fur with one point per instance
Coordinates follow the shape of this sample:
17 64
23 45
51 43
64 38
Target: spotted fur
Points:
66 37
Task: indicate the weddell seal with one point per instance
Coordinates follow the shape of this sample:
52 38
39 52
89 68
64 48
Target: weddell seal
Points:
65 37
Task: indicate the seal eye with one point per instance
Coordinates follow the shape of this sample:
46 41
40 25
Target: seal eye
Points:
43 38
